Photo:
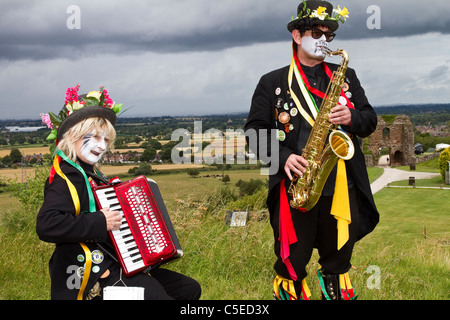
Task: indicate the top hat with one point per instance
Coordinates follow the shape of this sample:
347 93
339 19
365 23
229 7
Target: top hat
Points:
317 12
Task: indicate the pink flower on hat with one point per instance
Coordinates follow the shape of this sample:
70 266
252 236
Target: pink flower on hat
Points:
108 102
71 95
46 119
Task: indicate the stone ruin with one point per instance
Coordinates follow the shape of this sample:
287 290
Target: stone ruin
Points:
397 136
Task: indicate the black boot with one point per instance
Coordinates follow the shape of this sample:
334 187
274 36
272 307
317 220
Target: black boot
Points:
332 286
329 284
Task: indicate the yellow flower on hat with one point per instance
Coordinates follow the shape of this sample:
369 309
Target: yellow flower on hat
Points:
77 105
342 12
94 94
74 106
320 13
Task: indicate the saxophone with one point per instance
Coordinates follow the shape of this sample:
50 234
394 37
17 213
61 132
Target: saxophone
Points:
322 156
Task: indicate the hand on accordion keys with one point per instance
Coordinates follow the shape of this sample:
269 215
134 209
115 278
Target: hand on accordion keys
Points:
113 219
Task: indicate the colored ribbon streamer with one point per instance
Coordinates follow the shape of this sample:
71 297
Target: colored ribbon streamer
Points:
72 189
340 207
76 203
92 207
346 287
287 234
284 289
315 91
87 270
293 70
322 284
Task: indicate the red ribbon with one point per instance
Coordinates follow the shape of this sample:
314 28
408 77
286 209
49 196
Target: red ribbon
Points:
287 234
315 91
51 176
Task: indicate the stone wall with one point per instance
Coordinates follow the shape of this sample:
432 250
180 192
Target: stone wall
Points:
398 137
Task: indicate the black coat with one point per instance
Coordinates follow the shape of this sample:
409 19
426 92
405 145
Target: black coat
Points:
57 223
274 86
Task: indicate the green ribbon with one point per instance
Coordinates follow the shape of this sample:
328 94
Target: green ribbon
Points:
92 206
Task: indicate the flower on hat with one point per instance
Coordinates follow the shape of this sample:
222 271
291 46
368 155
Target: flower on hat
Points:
45 117
320 13
72 103
95 94
341 14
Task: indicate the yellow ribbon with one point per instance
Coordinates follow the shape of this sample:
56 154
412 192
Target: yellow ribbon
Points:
288 286
76 203
344 280
340 207
72 189
306 95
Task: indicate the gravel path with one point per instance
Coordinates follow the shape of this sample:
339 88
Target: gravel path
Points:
391 175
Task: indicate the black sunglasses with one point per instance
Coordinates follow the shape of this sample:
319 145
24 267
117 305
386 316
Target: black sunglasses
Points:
317 34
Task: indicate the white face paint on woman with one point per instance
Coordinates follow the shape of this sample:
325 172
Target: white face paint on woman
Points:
314 46
91 147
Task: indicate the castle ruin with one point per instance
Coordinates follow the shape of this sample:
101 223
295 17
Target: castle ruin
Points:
396 134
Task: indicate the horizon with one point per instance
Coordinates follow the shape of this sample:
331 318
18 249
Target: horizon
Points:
237 113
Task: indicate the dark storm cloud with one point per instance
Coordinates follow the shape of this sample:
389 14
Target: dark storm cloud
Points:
38 30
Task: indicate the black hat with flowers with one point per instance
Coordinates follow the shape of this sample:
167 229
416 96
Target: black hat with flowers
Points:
77 108
317 12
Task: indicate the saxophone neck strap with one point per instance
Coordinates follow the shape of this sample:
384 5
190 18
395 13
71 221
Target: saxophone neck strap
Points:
307 90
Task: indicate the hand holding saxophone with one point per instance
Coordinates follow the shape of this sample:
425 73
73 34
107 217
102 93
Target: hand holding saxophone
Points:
296 164
340 115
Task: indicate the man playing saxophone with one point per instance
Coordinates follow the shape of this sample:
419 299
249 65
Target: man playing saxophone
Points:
289 100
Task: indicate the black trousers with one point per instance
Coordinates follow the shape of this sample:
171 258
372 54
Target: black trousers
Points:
161 284
315 229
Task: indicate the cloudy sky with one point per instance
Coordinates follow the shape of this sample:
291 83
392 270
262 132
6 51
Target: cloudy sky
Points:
198 57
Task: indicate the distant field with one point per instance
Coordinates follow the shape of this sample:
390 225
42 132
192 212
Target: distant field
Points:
25 151
107 169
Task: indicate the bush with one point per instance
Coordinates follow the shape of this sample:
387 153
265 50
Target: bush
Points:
249 187
31 193
143 170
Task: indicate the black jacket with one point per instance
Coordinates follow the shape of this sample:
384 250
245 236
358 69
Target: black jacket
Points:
272 90
57 223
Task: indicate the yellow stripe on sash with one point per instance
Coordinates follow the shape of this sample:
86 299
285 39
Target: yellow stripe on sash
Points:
76 203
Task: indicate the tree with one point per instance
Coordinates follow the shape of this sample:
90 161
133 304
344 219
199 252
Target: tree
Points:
444 160
148 154
15 155
226 179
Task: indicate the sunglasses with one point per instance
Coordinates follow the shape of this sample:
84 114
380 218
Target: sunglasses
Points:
317 34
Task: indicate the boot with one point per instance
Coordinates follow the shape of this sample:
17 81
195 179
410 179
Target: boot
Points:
331 287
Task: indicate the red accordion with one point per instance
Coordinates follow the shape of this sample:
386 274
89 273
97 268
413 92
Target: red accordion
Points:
146 238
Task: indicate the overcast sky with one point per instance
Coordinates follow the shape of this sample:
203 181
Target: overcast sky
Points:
199 57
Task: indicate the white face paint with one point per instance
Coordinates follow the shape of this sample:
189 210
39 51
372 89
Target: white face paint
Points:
92 147
314 46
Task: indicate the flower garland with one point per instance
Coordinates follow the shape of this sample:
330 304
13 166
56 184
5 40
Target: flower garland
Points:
73 103
320 13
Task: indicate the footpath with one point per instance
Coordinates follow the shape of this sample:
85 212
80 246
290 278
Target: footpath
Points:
391 175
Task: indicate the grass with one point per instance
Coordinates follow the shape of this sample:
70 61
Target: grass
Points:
236 262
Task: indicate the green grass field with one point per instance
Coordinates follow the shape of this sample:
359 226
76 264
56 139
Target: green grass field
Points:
236 262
